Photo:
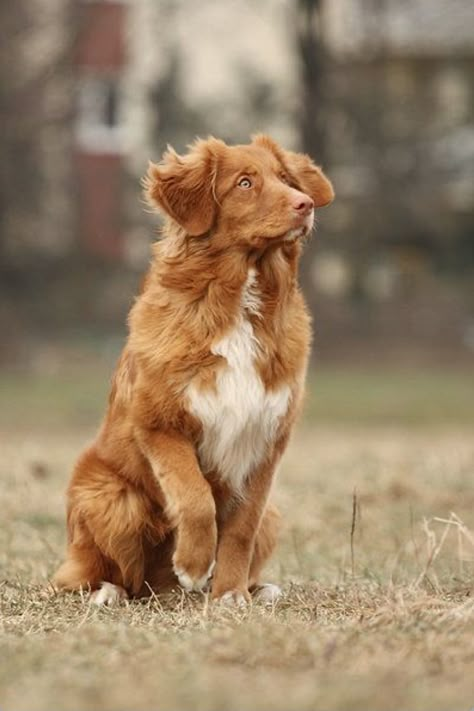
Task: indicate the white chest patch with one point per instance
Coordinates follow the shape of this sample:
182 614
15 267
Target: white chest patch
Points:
240 418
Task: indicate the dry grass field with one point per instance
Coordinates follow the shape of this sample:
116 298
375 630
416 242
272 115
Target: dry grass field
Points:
376 560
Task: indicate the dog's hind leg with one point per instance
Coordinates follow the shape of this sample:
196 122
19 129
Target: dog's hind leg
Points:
81 569
87 568
106 522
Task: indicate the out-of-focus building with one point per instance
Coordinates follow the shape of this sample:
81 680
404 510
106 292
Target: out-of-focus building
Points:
101 86
401 121
398 99
37 80
152 72
399 108
101 58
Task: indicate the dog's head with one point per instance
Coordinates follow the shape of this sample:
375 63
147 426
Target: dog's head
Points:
250 194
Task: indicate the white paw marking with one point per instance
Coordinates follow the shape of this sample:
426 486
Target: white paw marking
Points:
108 594
233 598
267 593
189 583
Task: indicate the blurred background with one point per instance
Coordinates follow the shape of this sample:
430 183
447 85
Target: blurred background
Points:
380 92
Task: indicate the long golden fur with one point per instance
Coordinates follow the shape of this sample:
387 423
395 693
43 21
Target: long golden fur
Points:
209 383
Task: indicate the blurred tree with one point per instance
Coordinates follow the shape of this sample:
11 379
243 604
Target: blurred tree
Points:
17 151
312 58
175 122
36 109
311 114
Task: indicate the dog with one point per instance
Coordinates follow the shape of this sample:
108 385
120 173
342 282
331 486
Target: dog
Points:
175 488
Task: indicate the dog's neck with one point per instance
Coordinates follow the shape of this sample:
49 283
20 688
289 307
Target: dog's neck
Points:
193 265
210 289
210 282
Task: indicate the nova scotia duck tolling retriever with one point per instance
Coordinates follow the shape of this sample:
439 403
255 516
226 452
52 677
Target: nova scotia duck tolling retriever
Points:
175 488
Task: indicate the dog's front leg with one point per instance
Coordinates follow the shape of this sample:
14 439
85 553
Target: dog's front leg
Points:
189 504
237 537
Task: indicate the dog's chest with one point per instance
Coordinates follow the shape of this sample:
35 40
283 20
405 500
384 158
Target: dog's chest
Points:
240 417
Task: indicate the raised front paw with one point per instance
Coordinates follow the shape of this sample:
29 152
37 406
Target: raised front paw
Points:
194 557
190 581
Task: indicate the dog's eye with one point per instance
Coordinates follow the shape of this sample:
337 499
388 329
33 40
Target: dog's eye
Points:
284 178
245 183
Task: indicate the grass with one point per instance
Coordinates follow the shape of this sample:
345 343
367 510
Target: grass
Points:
380 619
373 397
402 397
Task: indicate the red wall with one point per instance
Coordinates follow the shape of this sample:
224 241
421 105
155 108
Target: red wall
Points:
101 43
101 51
100 183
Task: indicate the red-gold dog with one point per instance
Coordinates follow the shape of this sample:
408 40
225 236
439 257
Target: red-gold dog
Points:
175 487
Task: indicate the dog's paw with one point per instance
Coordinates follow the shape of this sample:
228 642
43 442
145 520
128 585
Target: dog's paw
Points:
108 594
190 582
233 598
193 563
267 593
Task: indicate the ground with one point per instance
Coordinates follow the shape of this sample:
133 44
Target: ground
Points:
376 561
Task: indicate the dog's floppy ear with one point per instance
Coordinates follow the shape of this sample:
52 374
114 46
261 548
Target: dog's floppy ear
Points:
309 177
183 186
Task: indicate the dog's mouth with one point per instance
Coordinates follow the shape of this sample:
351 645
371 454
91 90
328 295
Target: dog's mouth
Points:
296 233
301 230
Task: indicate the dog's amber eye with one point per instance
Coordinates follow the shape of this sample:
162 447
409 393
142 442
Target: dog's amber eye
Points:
284 178
245 183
